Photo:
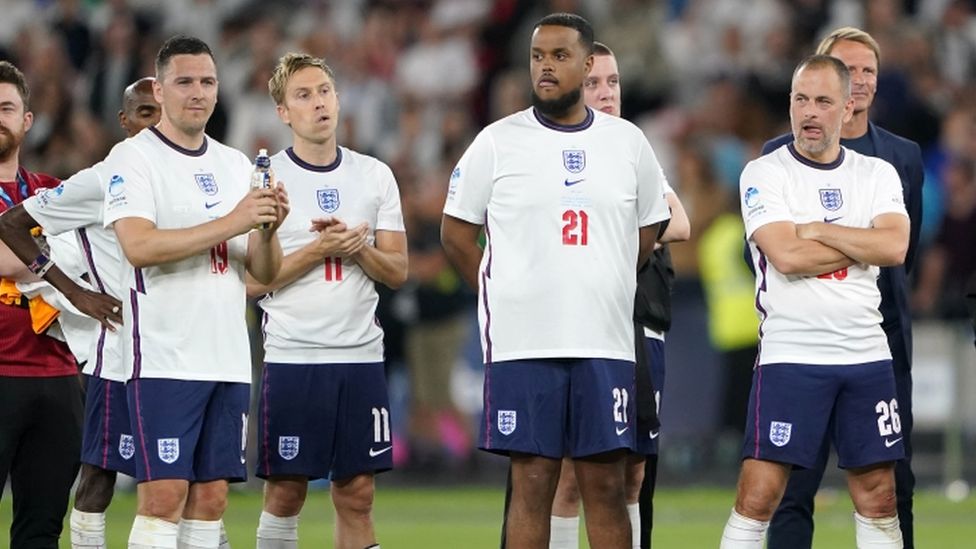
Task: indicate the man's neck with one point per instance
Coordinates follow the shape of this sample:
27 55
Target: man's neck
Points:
856 127
575 115
190 142
316 154
8 168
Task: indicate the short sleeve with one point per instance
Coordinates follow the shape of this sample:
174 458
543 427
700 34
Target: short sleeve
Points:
889 196
471 181
652 207
761 195
76 203
390 215
128 191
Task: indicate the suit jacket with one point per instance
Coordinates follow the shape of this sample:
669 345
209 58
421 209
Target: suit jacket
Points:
906 157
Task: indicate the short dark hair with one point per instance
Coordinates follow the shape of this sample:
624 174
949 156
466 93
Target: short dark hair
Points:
180 45
572 21
820 61
10 74
599 48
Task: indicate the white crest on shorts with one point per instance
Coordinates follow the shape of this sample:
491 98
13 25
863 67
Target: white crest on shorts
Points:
779 432
169 449
288 447
127 447
506 421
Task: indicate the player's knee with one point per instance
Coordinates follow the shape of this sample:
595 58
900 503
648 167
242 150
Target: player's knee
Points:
878 502
756 503
354 497
206 501
284 499
164 502
95 490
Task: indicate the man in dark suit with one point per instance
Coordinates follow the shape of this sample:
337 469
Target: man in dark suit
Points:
792 524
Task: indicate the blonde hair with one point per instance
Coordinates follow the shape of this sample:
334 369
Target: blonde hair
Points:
852 34
287 66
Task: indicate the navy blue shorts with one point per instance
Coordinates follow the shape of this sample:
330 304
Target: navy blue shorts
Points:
792 407
647 443
108 441
556 407
324 420
192 430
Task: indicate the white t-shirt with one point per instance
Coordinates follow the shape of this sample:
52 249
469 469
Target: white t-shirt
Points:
328 314
77 206
562 207
184 320
833 318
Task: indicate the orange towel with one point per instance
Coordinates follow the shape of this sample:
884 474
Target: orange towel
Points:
42 314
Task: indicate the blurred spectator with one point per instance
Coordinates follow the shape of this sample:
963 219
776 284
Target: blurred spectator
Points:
116 65
950 260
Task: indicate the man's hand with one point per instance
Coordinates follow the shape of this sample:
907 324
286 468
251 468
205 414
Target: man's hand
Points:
283 206
102 307
257 207
336 239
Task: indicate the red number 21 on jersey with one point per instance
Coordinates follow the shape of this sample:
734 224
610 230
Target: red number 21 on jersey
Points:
576 230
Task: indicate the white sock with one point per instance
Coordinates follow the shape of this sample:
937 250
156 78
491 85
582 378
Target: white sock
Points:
198 534
633 509
224 543
877 533
744 533
563 532
87 530
277 532
152 533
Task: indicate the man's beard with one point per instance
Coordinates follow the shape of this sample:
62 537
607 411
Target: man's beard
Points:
814 147
558 107
9 143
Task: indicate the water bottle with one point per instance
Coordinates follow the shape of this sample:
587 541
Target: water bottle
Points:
262 178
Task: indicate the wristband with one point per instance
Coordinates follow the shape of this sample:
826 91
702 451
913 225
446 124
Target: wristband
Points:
41 265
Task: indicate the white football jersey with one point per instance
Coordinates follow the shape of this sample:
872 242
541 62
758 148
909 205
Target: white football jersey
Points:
77 206
328 314
562 207
832 318
183 320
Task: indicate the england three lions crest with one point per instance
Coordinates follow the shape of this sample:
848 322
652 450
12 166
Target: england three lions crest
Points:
328 199
779 433
127 447
831 199
507 421
288 447
169 449
574 161
206 182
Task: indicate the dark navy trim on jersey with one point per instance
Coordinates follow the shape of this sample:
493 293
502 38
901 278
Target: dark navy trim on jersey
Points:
136 338
816 165
312 167
586 123
179 149
140 281
86 247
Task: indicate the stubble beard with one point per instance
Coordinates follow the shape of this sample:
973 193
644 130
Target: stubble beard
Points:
9 143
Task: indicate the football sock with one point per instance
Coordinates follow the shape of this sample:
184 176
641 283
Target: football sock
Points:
744 533
198 534
277 532
563 532
877 533
152 533
633 509
87 530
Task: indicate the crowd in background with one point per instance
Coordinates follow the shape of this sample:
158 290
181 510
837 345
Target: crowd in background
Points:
707 80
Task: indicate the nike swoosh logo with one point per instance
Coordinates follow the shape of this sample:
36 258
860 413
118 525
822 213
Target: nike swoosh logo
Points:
373 453
890 443
622 431
208 205
832 219
654 434
571 183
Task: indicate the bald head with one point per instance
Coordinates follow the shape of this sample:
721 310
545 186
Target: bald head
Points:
139 108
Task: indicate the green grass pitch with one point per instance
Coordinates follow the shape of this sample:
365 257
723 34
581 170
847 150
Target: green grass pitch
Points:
470 517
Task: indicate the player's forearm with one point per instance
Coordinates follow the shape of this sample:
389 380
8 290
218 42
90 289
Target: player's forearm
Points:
679 226
264 256
145 246
874 246
386 266
18 248
808 258
293 267
460 241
